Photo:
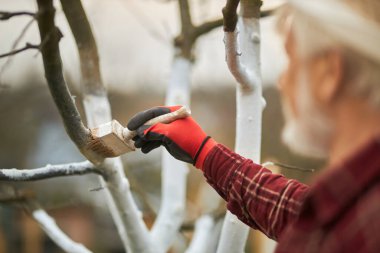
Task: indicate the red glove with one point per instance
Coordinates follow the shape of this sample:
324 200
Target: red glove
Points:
183 138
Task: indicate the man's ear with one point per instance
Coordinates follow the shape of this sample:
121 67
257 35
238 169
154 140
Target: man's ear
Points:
326 71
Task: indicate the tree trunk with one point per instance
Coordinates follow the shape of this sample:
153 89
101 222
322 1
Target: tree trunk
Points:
243 59
127 217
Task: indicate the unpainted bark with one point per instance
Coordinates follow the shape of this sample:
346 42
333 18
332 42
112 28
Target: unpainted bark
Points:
50 37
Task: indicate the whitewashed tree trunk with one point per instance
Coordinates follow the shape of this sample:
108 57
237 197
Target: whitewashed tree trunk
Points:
128 219
174 172
243 59
203 230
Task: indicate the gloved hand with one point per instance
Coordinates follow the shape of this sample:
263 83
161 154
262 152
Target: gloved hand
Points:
183 138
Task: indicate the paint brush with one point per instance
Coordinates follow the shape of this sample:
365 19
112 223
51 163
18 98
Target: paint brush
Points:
112 139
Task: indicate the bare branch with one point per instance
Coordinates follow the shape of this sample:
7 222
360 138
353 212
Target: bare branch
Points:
5 15
249 9
87 48
286 166
207 27
267 13
50 37
186 39
49 171
15 44
14 52
185 15
230 15
189 32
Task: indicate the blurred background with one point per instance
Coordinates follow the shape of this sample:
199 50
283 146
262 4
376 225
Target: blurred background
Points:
136 50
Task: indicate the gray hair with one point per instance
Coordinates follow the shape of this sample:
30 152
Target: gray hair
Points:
350 26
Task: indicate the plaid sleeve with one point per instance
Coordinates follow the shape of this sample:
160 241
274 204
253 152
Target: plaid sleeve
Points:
262 200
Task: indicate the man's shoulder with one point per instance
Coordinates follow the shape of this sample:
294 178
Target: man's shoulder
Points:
364 225
368 203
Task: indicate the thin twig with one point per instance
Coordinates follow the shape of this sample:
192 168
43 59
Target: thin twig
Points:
5 15
27 47
15 44
286 166
207 27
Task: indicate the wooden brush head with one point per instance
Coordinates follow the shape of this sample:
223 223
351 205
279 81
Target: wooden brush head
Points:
109 141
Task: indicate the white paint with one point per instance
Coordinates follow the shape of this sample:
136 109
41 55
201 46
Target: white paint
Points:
68 169
245 67
174 172
132 229
48 224
203 229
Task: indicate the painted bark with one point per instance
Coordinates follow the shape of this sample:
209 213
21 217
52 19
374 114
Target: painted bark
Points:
243 59
55 233
127 217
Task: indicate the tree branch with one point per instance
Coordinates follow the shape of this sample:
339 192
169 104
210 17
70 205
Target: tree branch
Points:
47 223
14 52
249 10
186 39
14 45
267 13
245 67
49 171
50 37
185 15
52 230
5 15
87 48
240 72
206 27
230 15
130 225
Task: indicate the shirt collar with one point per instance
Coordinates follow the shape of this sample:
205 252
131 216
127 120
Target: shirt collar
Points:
337 187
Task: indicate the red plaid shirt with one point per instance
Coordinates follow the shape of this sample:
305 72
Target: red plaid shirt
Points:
340 212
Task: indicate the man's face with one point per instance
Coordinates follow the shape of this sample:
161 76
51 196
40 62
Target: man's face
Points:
307 129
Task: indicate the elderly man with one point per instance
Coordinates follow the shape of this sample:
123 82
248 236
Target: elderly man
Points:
331 101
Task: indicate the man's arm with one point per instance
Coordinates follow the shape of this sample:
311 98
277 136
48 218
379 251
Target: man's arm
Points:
264 201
